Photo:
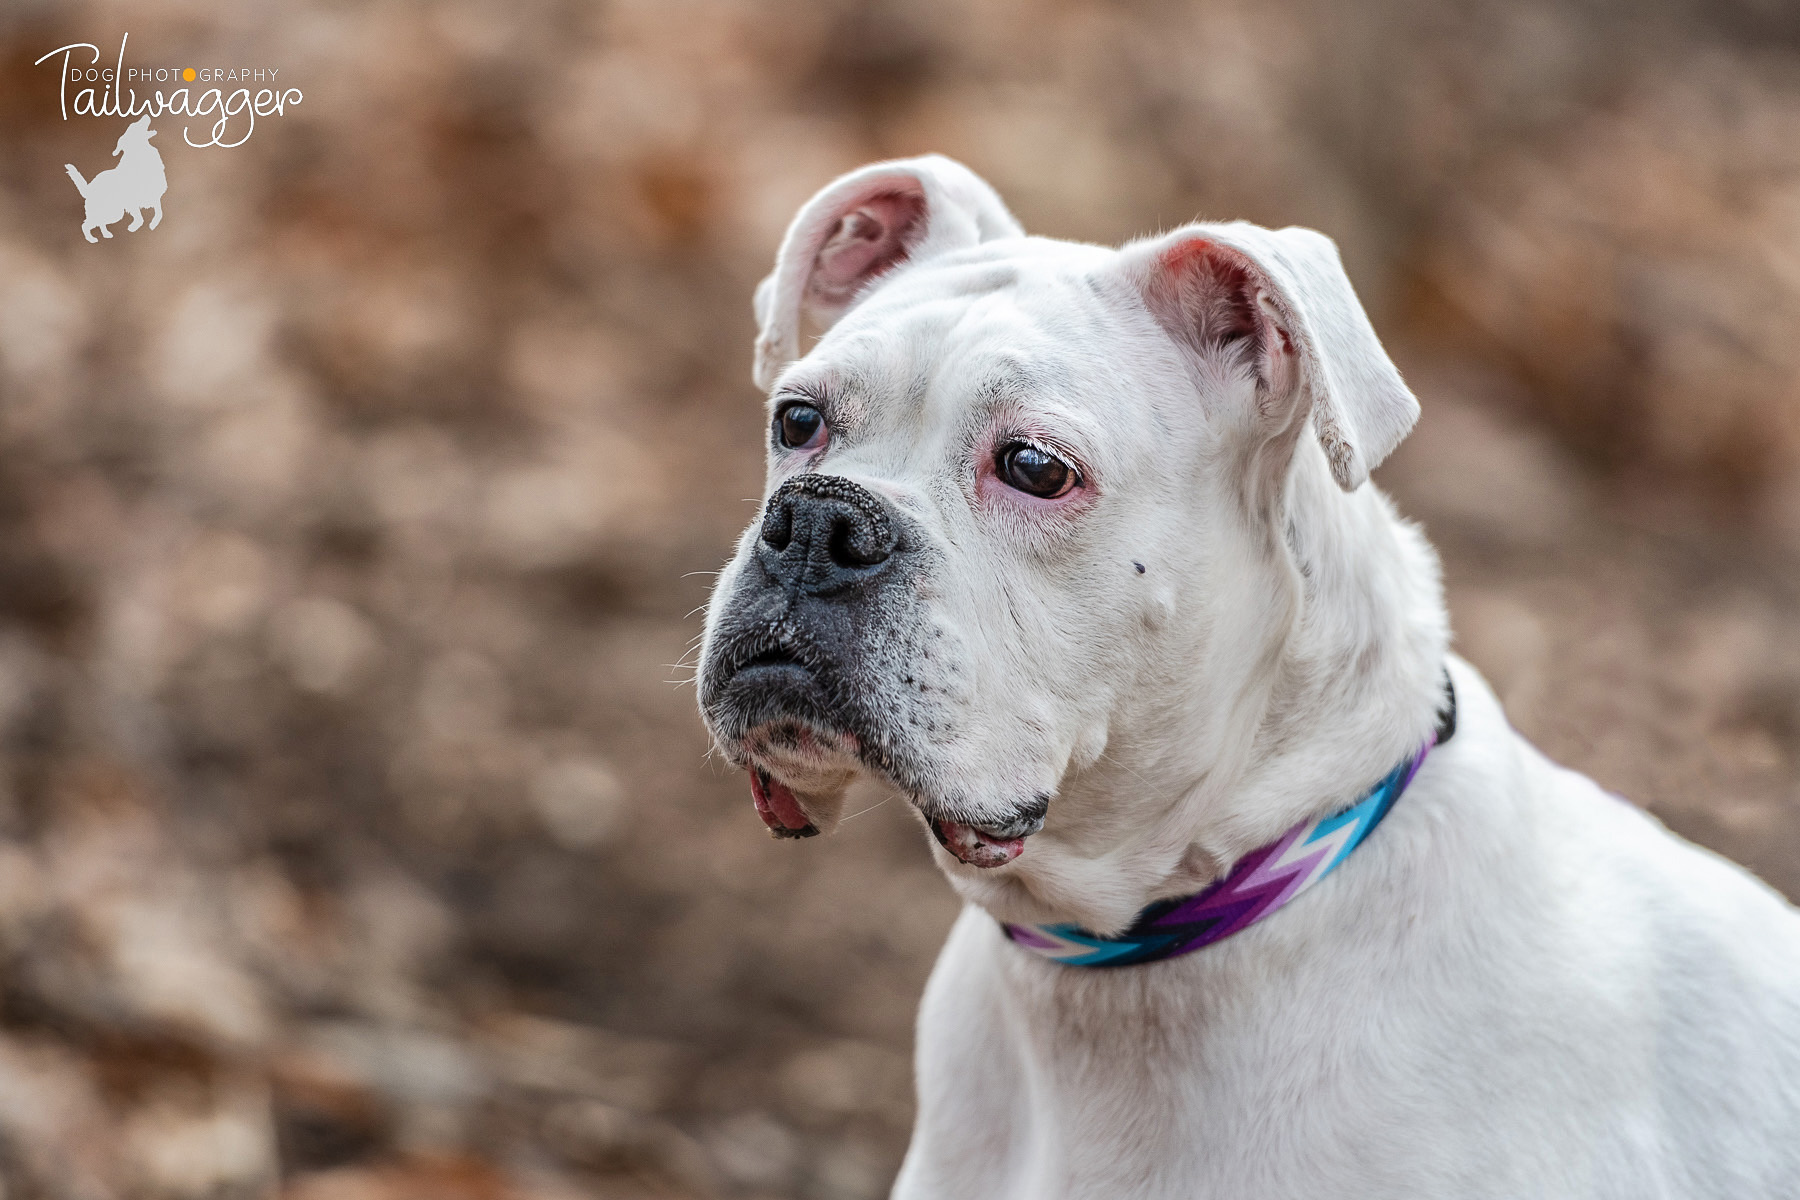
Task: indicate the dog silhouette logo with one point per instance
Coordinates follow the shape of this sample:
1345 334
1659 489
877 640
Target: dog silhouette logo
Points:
135 184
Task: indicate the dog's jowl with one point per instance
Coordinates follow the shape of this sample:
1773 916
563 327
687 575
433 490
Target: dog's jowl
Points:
1076 548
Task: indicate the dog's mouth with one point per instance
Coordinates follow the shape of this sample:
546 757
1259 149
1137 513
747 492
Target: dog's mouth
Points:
979 846
777 805
815 762
782 726
983 846
987 844
772 658
765 679
789 736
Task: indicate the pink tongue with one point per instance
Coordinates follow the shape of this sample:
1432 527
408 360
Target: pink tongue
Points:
975 847
776 805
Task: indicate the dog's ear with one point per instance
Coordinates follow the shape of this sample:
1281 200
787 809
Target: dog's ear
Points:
855 231
1280 300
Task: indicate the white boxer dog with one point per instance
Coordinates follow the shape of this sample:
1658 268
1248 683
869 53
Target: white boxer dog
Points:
1076 547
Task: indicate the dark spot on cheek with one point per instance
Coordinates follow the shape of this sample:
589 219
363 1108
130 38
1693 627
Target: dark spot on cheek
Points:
1139 566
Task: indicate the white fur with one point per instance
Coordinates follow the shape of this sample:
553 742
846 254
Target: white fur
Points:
1518 987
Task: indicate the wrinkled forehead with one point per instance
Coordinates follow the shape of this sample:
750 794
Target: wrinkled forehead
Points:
1020 325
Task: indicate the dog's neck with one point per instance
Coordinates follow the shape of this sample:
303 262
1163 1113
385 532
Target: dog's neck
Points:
1359 675
1347 683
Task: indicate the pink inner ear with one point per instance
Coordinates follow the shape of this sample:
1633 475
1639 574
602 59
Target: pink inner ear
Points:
1210 292
867 240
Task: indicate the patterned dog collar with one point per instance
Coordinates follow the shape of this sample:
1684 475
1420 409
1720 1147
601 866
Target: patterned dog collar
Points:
1263 881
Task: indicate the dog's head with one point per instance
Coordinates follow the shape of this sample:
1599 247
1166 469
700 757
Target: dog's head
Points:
138 133
1026 523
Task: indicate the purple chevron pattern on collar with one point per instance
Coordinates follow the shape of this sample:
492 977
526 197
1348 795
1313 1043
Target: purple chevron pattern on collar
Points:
1263 881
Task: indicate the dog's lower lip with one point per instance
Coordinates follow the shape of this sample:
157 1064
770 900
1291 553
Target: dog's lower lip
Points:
776 805
975 845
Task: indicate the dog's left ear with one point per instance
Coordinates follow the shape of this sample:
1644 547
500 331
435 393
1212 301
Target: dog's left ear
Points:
1280 299
859 228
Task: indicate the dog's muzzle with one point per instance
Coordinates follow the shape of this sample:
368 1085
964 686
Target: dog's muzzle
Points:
801 671
825 546
783 680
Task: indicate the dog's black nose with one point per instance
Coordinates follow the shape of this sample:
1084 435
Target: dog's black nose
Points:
823 534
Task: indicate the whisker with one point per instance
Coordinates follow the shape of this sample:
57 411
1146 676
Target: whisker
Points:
1154 790
869 809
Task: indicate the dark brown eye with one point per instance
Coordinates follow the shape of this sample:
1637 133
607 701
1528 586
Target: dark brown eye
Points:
1033 471
797 425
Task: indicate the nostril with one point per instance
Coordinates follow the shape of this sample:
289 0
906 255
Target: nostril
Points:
823 534
855 541
778 526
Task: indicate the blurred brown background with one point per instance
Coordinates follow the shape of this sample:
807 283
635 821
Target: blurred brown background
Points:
357 835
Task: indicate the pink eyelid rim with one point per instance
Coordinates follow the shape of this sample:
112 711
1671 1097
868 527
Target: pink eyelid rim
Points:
819 439
986 476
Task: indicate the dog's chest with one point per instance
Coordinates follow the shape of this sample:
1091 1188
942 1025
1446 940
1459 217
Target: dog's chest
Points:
1254 1069
1248 1080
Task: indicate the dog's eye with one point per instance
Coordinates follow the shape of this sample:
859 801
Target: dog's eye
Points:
798 426
1033 471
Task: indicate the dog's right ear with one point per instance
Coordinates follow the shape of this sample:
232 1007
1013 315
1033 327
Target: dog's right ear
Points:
858 229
